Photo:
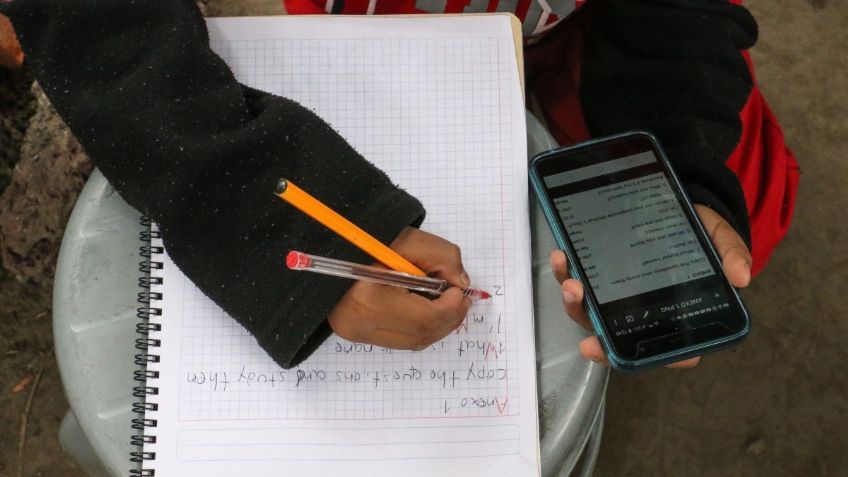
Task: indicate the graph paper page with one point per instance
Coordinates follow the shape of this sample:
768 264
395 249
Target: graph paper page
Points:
436 104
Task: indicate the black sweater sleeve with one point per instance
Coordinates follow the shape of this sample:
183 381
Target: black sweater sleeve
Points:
181 140
674 67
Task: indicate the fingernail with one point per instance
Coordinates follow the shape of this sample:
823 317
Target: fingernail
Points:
568 296
465 280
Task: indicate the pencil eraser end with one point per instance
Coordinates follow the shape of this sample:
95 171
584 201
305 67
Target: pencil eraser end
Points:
297 260
281 186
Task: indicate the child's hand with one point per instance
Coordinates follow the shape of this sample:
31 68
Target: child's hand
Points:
736 260
394 317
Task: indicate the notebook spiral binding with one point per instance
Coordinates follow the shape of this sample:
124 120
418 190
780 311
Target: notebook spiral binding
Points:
147 350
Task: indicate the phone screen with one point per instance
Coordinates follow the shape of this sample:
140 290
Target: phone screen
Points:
655 285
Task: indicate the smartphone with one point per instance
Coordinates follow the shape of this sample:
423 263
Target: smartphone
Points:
654 287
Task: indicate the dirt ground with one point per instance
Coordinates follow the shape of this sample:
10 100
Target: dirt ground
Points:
774 406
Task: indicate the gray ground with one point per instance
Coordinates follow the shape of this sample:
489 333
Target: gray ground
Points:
773 406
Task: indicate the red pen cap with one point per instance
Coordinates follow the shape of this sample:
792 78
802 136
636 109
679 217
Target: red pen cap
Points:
296 260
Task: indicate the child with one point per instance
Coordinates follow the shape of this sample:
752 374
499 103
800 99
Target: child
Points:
197 155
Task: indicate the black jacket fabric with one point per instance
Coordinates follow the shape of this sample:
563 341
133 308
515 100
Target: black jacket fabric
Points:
674 68
182 141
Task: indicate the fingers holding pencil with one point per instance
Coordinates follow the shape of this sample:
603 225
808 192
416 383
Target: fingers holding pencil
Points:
433 254
395 318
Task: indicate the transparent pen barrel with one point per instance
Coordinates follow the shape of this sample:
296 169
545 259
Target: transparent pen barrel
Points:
338 268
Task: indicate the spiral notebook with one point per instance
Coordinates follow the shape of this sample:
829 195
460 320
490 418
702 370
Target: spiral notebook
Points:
446 90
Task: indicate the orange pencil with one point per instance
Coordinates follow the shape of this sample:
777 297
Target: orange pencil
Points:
312 207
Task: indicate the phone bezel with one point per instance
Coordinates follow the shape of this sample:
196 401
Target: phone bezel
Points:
592 306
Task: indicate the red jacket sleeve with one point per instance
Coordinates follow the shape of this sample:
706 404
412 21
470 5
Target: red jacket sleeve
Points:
768 172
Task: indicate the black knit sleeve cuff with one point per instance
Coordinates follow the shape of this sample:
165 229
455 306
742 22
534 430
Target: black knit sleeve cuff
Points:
701 195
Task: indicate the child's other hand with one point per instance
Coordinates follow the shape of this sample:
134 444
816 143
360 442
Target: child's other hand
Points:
394 317
736 260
